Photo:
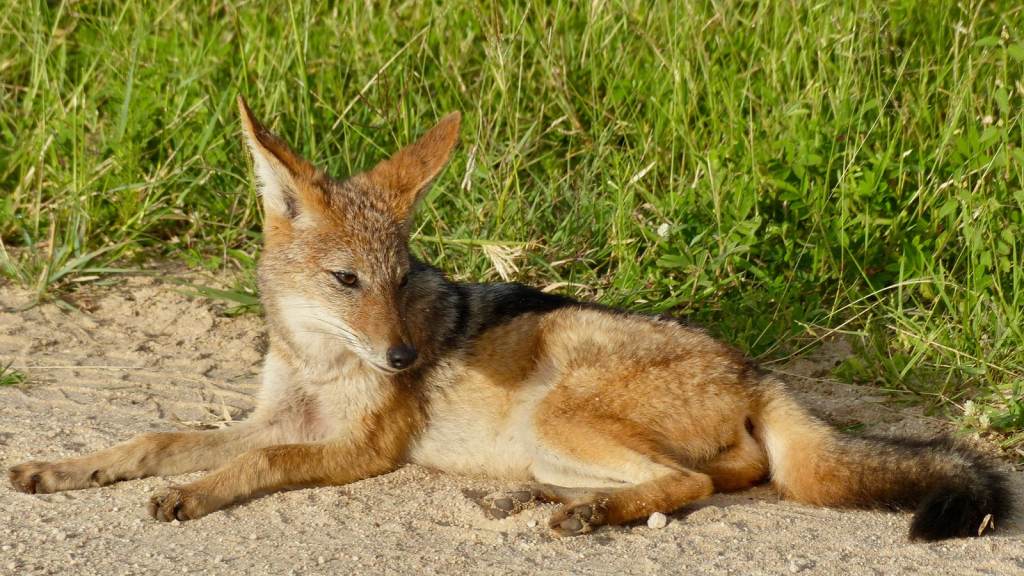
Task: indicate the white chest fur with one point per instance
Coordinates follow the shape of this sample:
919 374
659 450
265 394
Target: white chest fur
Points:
311 405
479 432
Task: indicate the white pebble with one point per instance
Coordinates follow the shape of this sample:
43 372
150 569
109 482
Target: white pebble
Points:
657 521
532 523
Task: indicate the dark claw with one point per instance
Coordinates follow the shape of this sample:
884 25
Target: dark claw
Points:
181 516
156 509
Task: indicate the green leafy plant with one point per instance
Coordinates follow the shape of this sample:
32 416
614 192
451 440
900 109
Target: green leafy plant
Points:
10 376
782 171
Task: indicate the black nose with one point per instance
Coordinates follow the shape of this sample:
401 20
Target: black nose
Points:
401 357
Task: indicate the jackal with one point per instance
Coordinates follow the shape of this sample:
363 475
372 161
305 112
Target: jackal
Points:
377 359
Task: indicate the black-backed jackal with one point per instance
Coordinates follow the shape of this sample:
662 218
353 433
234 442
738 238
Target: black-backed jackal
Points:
376 360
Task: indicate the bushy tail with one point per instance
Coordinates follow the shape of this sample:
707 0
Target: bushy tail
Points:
952 489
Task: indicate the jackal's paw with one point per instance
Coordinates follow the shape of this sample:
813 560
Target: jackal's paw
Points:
574 520
501 505
182 503
47 477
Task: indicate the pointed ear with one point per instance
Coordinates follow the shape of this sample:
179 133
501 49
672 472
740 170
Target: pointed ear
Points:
278 168
407 175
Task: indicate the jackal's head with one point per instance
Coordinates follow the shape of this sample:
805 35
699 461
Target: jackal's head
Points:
335 269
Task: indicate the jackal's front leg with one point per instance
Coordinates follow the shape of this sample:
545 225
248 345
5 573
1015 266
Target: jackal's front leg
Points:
158 454
269 470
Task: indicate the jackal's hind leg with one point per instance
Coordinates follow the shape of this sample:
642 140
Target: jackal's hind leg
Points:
501 505
743 465
585 512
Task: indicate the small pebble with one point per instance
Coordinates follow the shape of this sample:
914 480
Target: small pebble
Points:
320 560
254 537
657 521
794 567
532 523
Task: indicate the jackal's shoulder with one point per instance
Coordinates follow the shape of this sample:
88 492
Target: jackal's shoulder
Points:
474 309
456 314
508 326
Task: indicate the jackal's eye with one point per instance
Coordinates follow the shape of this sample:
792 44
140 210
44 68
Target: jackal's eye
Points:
404 282
347 278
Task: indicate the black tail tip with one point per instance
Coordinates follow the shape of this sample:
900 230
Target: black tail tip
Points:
960 514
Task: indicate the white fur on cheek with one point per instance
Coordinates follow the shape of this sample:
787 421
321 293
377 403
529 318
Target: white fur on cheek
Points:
320 337
313 329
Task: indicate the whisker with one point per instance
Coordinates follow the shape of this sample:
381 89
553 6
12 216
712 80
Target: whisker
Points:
321 320
335 326
348 341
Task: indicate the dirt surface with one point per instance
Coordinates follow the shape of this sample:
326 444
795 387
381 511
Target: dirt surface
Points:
143 357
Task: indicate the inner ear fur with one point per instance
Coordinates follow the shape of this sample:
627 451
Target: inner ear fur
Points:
407 175
283 174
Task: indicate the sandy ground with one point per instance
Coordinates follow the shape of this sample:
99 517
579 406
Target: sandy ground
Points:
144 357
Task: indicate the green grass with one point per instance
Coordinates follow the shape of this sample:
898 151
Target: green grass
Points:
10 376
784 171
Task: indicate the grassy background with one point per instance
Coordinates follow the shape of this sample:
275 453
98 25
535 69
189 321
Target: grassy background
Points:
784 171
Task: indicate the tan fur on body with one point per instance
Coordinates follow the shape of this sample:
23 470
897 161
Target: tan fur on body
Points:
613 415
